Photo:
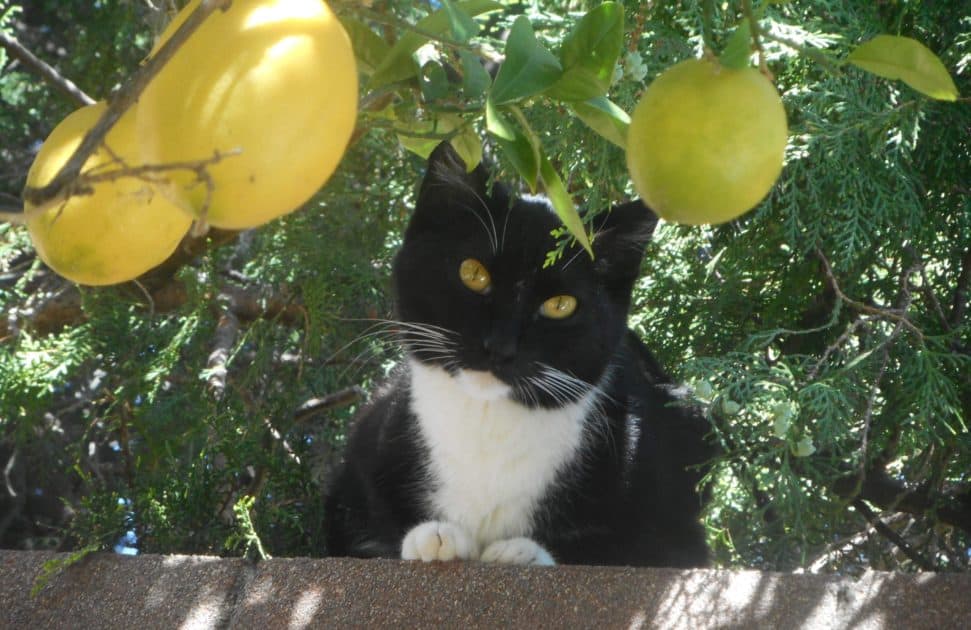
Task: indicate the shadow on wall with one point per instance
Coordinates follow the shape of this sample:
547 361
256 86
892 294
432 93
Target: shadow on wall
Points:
110 591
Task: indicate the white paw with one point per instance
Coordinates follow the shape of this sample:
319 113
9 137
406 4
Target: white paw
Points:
517 551
438 540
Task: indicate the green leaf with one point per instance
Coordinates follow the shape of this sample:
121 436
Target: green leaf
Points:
738 50
433 82
896 57
398 64
563 203
368 46
520 147
589 54
475 78
497 124
463 26
605 117
468 145
528 69
428 133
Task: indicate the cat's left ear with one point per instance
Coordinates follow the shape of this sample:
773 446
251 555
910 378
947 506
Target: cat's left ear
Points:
447 174
620 236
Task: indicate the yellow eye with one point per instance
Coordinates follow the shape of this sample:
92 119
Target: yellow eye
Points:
475 276
558 307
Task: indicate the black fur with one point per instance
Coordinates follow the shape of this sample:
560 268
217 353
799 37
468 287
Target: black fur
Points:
621 502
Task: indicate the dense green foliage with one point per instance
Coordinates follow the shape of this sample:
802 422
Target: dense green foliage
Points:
827 333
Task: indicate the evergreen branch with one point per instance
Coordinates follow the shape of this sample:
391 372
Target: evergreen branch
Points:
893 536
59 188
925 288
62 307
44 70
835 549
894 314
872 398
815 54
959 304
881 490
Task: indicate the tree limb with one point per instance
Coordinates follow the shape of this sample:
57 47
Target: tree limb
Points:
61 185
338 399
959 304
893 536
879 489
227 331
44 70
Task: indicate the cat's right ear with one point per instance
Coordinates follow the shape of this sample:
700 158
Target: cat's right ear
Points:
447 176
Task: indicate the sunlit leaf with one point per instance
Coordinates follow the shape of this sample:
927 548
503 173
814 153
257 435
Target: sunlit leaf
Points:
896 57
605 117
563 203
398 64
589 54
528 68
368 46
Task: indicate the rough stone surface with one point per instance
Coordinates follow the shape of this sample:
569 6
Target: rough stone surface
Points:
110 591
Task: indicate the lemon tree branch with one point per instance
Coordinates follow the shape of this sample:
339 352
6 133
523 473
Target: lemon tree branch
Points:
61 186
44 70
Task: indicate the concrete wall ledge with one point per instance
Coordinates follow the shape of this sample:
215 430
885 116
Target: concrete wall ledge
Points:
111 591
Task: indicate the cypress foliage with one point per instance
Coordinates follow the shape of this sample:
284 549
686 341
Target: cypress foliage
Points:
826 333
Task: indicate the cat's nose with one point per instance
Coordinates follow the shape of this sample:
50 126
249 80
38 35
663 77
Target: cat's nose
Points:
500 348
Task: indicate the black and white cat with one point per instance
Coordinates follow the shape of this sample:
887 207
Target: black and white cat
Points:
526 423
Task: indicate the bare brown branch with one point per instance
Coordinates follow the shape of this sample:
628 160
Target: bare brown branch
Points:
894 314
336 400
227 331
44 70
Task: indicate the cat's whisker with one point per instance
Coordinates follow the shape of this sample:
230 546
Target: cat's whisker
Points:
491 233
369 332
505 225
579 251
573 387
543 386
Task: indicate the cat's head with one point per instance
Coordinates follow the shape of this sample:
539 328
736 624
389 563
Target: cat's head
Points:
474 297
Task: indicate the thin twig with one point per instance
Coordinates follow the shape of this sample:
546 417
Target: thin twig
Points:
926 290
959 304
896 315
44 70
338 399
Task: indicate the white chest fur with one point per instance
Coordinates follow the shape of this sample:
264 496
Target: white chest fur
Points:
492 459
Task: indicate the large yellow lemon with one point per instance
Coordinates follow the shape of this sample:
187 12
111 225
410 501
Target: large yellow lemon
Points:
706 143
273 81
117 233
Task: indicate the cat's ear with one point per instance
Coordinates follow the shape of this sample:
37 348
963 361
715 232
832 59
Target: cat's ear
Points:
447 176
620 236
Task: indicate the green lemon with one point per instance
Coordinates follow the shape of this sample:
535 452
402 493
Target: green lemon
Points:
706 143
